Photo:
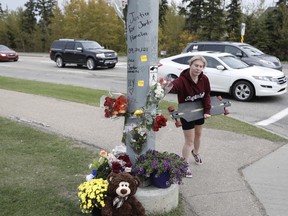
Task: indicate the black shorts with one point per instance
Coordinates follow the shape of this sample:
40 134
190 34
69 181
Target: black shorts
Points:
190 125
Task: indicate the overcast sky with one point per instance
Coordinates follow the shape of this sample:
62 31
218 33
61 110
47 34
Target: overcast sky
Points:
13 4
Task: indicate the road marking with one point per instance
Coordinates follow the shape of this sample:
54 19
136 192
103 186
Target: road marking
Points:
273 118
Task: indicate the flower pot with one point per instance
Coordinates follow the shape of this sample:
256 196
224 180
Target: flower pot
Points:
162 181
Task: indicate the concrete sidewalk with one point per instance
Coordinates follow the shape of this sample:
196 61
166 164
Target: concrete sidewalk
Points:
219 187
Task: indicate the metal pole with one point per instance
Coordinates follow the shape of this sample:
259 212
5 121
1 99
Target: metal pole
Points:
142 61
243 25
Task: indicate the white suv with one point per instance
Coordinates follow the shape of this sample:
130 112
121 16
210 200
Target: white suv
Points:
230 75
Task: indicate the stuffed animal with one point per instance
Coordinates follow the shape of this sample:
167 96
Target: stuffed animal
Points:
120 200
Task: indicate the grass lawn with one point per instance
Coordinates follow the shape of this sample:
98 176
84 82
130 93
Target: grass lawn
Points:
40 172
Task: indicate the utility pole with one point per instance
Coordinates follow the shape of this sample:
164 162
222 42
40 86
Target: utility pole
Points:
142 60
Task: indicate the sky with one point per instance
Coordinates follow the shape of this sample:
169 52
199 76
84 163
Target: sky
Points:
13 4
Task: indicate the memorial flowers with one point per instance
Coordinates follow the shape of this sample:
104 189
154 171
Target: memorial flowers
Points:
144 120
115 106
117 161
155 162
91 194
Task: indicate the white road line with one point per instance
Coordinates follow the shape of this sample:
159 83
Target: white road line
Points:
273 118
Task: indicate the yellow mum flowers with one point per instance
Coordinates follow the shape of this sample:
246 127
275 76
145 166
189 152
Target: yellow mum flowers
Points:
92 193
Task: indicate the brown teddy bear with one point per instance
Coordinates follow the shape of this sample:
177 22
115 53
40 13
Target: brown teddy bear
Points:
120 200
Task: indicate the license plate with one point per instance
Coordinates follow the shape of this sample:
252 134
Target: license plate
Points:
110 61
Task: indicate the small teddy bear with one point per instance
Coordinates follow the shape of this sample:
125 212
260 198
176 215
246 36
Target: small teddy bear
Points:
120 200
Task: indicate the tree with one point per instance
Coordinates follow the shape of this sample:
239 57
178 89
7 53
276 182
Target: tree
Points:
28 18
193 13
213 21
170 33
56 26
233 20
1 10
44 9
163 7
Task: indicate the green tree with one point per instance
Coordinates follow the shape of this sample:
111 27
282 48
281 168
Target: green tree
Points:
163 7
28 18
213 21
44 9
57 23
170 33
233 20
75 19
193 11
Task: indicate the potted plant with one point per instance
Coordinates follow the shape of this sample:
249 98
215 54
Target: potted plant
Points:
168 168
91 195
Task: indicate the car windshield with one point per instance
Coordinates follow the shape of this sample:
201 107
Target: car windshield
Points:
91 45
233 62
252 50
4 48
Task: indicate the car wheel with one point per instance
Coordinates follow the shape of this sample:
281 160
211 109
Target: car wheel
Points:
243 91
111 66
59 62
90 63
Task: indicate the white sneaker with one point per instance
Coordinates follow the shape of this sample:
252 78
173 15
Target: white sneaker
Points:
188 173
197 158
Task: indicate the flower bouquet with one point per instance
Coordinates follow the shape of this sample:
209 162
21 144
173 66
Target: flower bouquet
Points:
154 163
158 91
116 161
115 106
91 194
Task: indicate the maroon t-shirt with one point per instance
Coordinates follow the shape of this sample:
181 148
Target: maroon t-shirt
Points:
187 90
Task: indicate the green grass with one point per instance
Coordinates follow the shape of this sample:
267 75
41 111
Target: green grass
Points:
40 172
65 92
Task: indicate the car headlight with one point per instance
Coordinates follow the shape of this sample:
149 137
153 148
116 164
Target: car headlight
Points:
267 62
3 54
116 54
266 78
100 55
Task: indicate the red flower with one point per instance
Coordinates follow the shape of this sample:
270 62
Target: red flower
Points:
160 121
116 166
107 113
126 159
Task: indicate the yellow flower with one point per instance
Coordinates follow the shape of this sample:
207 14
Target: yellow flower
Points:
138 112
91 194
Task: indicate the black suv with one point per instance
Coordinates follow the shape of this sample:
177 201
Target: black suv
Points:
245 52
82 52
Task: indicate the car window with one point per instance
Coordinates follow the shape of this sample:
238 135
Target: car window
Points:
78 45
233 50
195 47
234 62
91 45
4 48
251 50
70 46
211 47
212 62
182 60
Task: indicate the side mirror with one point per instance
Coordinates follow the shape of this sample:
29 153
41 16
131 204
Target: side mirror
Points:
220 67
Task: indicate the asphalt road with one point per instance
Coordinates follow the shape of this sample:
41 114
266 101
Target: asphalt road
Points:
270 113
